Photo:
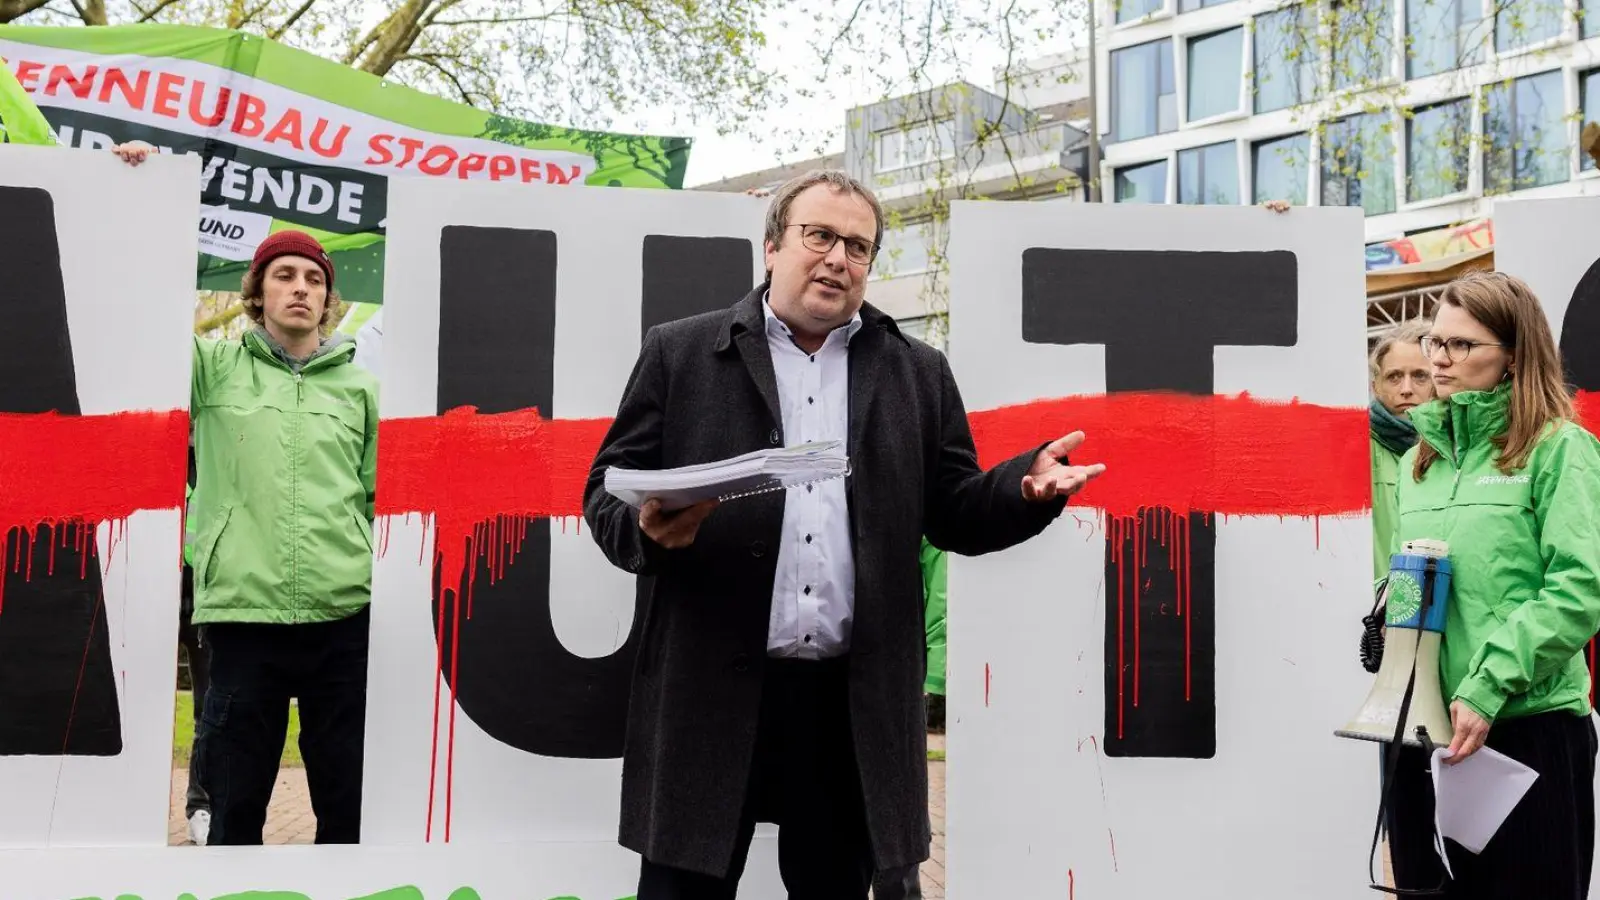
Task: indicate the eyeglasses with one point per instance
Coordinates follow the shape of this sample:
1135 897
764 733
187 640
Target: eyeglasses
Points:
1457 349
820 239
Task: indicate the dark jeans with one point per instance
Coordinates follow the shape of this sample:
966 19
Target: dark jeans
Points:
1544 849
199 677
255 669
803 778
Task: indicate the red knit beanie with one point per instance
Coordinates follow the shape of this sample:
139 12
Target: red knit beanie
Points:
292 243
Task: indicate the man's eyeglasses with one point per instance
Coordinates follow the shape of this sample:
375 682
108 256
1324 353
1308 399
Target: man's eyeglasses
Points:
1457 349
820 238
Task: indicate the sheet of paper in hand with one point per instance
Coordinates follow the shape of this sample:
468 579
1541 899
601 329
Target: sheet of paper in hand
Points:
753 473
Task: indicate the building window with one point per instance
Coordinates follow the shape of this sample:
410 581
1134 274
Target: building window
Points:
906 250
1521 23
1145 183
1358 163
1279 168
1589 102
1362 42
1524 134
1285 58
1589 17
1131 10
1192 5
1144 97
1209 175
916 144
1445 35
1438 150
1216 72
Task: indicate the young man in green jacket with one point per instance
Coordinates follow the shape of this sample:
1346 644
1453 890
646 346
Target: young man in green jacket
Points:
286 450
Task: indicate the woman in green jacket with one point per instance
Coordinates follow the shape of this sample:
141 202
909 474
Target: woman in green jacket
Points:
1505 476
1401 381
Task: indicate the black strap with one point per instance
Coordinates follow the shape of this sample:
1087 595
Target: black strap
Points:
1392 752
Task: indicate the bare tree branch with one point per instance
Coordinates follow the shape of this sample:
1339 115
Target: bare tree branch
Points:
16 9
281 30
146 17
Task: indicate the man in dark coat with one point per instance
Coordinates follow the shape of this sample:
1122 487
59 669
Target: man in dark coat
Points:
780 673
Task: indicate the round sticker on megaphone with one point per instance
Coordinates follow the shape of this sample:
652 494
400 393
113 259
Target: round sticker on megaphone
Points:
1405 598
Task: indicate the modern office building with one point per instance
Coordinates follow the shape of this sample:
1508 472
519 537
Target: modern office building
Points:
1421 112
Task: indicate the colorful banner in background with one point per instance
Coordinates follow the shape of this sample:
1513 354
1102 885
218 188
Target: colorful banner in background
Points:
1477 234
288 139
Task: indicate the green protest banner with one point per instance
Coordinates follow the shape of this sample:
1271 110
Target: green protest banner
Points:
290 140
20 121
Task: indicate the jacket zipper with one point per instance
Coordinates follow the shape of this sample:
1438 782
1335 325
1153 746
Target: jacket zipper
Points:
299 425
1455 450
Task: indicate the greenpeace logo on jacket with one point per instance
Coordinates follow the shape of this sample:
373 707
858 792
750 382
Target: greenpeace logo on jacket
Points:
1524 555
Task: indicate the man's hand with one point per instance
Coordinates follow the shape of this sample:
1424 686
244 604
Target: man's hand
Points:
1471 731
674 530
1050 477
134 152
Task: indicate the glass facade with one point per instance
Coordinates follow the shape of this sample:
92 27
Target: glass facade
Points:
1209 175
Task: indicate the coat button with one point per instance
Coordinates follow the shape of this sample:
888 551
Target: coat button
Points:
741 663
774 437
758 549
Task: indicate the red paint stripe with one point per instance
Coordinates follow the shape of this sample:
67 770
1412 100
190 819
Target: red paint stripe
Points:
90 468
1232 455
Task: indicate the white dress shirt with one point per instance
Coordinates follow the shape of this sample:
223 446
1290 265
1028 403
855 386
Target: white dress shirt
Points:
813 595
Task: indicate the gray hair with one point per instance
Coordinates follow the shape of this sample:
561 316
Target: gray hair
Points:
1409 332
838 179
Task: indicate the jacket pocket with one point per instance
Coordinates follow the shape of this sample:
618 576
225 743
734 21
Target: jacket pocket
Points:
205 562
365 529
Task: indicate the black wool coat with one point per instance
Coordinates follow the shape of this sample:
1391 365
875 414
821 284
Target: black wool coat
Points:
704 389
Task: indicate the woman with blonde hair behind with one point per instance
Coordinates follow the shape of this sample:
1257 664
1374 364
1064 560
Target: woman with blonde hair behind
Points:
1508 479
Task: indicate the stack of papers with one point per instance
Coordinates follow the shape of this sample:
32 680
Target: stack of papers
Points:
752 473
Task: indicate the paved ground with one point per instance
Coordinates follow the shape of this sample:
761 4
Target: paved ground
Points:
289 818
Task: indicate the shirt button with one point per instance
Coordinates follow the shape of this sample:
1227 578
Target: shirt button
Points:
808 638
774 437
811 399
813 359
808 538
808 488
808 590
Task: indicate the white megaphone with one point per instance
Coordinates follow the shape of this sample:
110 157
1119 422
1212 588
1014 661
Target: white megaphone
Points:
1415 597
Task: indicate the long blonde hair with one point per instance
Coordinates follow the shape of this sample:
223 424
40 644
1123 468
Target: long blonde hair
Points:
1539 394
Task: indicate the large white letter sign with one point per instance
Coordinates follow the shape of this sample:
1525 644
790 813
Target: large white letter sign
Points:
96 264
503 641
1143 699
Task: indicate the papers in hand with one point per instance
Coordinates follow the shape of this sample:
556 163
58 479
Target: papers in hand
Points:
1473 797
752 473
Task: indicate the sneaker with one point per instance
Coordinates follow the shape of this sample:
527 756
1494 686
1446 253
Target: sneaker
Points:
199 827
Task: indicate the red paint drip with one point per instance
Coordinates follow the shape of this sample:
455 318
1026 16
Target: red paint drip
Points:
1172 532
1072 886
986 685
85 470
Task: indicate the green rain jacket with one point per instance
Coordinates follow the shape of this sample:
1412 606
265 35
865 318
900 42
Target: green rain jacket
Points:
20 120
1524 554
1385 478
933 594
286 467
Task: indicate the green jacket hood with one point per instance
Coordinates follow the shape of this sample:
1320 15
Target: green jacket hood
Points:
1463 420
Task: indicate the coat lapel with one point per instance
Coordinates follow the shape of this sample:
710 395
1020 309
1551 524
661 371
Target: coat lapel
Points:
747 330
866 371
